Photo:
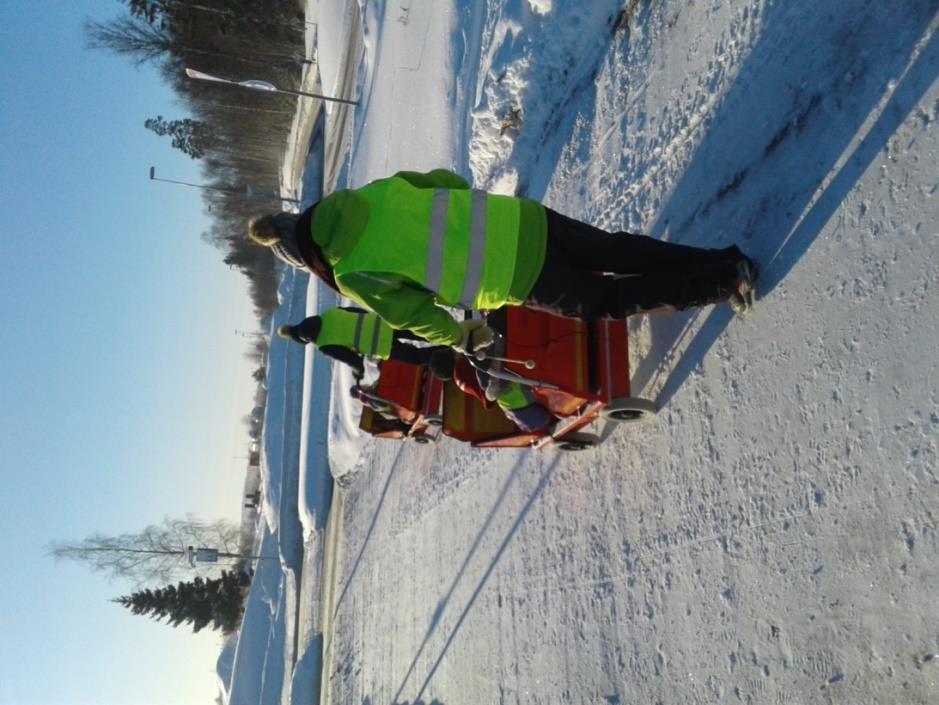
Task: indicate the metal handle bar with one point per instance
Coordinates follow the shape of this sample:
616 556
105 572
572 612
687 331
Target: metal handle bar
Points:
510 376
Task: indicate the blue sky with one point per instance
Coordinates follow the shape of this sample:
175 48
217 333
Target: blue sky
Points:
123 379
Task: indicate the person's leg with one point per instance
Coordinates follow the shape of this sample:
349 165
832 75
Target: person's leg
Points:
586 247
565 291
403 352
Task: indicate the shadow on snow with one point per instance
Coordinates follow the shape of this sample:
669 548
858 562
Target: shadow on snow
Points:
443 603
773 189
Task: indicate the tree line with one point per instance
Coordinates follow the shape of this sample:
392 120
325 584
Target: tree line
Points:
239 138
238 135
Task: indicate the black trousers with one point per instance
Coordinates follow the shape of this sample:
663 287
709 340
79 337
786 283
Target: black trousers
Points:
404 352
657 274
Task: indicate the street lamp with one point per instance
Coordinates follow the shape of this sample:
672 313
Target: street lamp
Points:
264 86
249 192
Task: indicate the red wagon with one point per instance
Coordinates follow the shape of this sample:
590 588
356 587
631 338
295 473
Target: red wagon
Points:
578 370
413 395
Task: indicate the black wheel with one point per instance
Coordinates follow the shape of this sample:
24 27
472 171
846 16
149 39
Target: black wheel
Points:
629 409
422 439
578 441
434 420
625 415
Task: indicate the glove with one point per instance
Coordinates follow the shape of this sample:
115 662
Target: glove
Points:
476 335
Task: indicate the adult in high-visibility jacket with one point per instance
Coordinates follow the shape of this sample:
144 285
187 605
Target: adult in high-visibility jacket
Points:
406 245
350 334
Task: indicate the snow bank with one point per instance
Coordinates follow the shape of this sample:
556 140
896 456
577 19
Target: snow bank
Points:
280 443
259 667
254 667
276 656
334 19
531 69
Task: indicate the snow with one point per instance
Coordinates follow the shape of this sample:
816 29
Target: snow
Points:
540 7
530 70
771 535
332 33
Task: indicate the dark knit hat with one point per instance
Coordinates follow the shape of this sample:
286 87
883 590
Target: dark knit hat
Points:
306 331
289 332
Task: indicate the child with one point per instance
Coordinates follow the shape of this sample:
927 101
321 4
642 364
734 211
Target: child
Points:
350 334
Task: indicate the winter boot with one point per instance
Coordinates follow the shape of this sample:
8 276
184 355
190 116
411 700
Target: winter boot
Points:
743 297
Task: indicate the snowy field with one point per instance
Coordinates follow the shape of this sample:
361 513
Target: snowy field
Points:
771 536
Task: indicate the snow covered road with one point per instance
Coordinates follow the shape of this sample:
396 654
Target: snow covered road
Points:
771 537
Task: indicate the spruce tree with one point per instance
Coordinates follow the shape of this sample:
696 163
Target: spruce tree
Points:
191 137
200 602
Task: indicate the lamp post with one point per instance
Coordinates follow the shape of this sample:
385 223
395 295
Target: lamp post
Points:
249 192
264 86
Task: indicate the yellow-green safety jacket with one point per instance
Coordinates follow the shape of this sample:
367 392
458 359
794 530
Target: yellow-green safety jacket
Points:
406 245
363 332
511 396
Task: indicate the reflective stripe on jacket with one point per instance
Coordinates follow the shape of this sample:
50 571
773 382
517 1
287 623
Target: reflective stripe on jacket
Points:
362 332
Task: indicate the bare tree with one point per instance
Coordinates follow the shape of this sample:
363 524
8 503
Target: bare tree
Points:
156 554
131 37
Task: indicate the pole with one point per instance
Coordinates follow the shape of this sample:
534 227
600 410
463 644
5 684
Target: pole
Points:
246 555
483 355
171 552
248 193
309 95
154 177
510 376
264 86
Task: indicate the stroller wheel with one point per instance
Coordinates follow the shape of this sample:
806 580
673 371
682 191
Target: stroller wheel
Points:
578 441
434 420
422 439
629 409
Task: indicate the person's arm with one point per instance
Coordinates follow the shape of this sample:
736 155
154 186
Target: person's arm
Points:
402 305
347 356
438 178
